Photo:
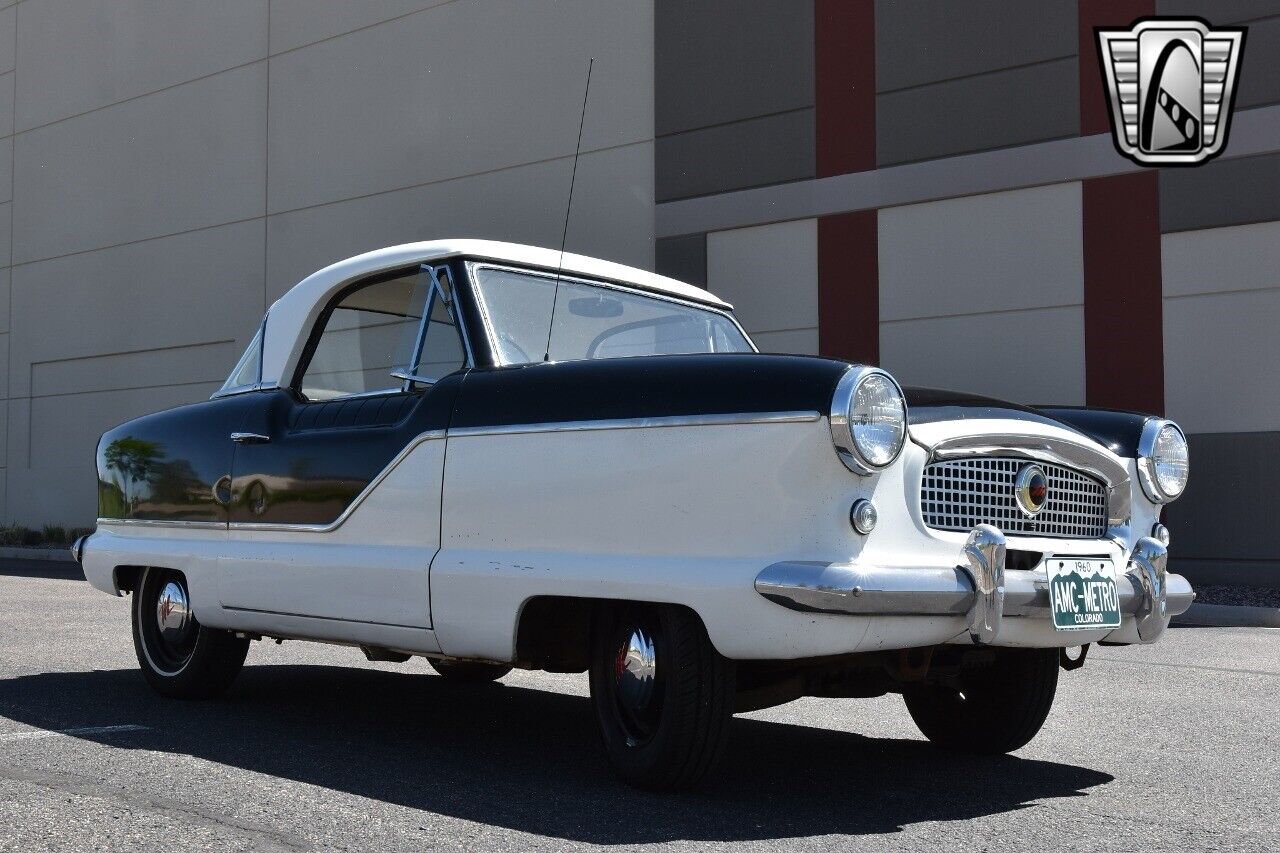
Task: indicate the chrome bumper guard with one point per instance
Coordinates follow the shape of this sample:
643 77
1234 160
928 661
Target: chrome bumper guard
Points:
981 590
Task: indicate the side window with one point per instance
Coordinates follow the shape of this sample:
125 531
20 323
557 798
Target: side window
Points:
441 351
374 339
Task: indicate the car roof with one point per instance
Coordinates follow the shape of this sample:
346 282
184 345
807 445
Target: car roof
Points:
298 309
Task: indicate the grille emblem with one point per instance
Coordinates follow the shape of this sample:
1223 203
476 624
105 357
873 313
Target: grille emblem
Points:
1032 488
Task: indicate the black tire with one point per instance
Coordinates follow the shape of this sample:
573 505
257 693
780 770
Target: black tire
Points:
674 736
468 672
200 664
996 709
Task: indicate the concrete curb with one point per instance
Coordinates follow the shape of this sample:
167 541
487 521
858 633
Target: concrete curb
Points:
61 555
1228 616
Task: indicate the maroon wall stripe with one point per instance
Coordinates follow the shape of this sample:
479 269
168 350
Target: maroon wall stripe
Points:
845 139
1123 318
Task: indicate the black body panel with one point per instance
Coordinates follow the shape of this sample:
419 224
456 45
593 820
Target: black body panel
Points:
648 387
321 455
167 466
1118 431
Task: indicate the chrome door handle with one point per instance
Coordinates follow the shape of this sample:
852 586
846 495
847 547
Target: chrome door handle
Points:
249 438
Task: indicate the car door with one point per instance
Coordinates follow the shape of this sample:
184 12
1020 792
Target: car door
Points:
336 480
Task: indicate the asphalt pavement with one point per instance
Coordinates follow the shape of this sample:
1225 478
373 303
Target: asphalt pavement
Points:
1169 747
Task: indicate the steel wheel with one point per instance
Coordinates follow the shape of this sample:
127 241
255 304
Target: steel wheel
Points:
179 656
663 695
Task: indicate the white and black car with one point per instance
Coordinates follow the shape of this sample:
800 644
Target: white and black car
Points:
497 456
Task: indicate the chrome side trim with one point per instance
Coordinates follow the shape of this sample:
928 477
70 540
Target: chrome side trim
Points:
1102 464
640 423
161 522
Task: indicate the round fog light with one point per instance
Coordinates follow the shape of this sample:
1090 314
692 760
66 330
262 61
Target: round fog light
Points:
1160 533
863 516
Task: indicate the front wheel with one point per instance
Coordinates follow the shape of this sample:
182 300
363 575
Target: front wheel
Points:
663 696
991 710
180 658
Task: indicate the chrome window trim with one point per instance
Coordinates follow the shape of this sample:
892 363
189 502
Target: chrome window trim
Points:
473 267
1099 463
261 337
842 434
736 418
1146 465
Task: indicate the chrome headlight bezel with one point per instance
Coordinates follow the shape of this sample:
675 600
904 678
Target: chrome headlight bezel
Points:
842 431
1151 431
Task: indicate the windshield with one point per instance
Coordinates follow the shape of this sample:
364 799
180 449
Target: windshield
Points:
593 321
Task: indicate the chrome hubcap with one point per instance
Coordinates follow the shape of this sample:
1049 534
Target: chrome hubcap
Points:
636 671
173 613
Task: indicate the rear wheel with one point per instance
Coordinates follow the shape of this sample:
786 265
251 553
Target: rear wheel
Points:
992 710
663 696
465 671
180 657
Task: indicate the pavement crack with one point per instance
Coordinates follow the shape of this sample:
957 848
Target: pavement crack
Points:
1197 666
69 783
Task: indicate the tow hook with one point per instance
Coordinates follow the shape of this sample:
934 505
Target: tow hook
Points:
1068 662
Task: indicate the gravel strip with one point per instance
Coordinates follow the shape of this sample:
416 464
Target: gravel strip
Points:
1239 596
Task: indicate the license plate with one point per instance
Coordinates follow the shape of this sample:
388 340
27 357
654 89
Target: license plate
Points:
1082 593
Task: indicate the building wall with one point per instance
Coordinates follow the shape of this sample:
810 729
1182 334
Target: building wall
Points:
175 165
976 230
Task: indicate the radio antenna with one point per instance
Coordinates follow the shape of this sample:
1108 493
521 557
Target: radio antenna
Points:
564 235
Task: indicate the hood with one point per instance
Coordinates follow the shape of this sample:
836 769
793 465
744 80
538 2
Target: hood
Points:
1117 430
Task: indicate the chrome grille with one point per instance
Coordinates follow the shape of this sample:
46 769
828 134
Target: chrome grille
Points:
961 493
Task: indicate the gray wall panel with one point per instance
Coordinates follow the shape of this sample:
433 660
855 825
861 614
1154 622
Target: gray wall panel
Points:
443 109
8 23
77 55
1260 73
925 41
718 61
198 287
298 22
1260 68
1011 107
683 258
185 158
1225 192
1220 11
612 214
734 156
6 103
1220 516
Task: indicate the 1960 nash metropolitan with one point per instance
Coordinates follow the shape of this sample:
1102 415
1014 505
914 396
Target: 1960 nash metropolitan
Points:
494 456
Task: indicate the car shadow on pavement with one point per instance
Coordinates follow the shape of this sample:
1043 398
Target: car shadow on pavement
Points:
528 759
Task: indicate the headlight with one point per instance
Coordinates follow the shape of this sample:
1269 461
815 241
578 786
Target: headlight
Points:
1163 460
868 419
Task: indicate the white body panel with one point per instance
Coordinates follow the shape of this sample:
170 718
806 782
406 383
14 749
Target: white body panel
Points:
677 514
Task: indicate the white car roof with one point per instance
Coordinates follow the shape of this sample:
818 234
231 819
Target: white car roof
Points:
296 312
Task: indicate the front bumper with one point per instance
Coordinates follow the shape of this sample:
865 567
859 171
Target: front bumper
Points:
981 589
